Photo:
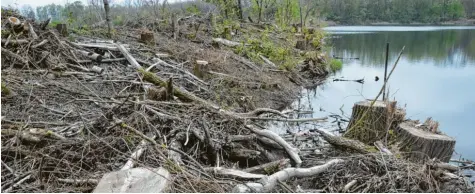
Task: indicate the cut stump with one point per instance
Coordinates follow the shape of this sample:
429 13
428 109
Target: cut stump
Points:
62 29
147 37
419 145
301 45
370 124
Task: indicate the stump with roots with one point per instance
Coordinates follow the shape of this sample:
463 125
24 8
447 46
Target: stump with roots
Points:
419 145
370 124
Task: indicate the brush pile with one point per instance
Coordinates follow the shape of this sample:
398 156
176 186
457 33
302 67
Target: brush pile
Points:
76 108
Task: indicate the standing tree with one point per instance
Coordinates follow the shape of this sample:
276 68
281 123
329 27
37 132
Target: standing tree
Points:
108 20
28 12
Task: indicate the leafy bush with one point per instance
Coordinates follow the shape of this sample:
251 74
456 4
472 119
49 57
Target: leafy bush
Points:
336 65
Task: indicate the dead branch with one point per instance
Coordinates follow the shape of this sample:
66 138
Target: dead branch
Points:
226 42
268 183
344 142
15 56
280 164
267 61
293 152
80 181
40 44
32 31
234 173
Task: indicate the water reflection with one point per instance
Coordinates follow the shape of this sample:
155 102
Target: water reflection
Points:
434 78
442 48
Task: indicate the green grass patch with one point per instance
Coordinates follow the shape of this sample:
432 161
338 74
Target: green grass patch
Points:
335 65
5 90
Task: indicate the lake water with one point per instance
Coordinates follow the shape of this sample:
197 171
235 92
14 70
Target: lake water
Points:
434 78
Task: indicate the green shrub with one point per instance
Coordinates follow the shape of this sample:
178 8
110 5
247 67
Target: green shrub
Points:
118 21
54 23
5 90
336 65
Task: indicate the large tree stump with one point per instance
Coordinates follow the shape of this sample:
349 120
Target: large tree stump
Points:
370 124
147 37
420 145
62 29
15 24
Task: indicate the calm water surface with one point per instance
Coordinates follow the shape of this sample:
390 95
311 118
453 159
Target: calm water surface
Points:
434 78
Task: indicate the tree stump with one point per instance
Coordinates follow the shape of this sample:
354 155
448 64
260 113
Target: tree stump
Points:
419 145
147 37
301 45
200 68
15 24
374 125
62 29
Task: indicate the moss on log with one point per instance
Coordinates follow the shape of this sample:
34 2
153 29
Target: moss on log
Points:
419 145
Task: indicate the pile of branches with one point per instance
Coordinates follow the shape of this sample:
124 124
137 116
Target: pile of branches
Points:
382 173
76 110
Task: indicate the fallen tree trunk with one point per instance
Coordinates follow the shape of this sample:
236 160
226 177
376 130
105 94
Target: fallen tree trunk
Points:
268 183
419 145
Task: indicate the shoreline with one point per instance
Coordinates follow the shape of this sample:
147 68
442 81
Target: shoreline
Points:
469 22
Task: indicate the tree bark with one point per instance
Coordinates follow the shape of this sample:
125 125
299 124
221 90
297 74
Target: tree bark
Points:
374 126
108 20
240 9
419 145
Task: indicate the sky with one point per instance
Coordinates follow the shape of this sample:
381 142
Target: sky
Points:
35 3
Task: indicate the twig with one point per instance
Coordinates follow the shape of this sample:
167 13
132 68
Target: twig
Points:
17 184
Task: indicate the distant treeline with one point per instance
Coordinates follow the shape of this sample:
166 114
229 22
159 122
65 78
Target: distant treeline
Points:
400 11
282 11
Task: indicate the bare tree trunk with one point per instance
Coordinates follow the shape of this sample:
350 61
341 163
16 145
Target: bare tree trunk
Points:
108 20
301 18
240 9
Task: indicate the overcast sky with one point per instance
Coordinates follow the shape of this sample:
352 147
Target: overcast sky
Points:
34 3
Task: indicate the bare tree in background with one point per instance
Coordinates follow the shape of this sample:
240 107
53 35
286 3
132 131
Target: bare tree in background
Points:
108 19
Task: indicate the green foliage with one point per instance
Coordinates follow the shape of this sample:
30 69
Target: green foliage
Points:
278 52
335 65
193 9
118 20
401 11
54 23
5 90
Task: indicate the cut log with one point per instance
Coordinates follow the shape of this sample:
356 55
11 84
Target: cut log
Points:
91 55
62 29
419 145
374 125
147 37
